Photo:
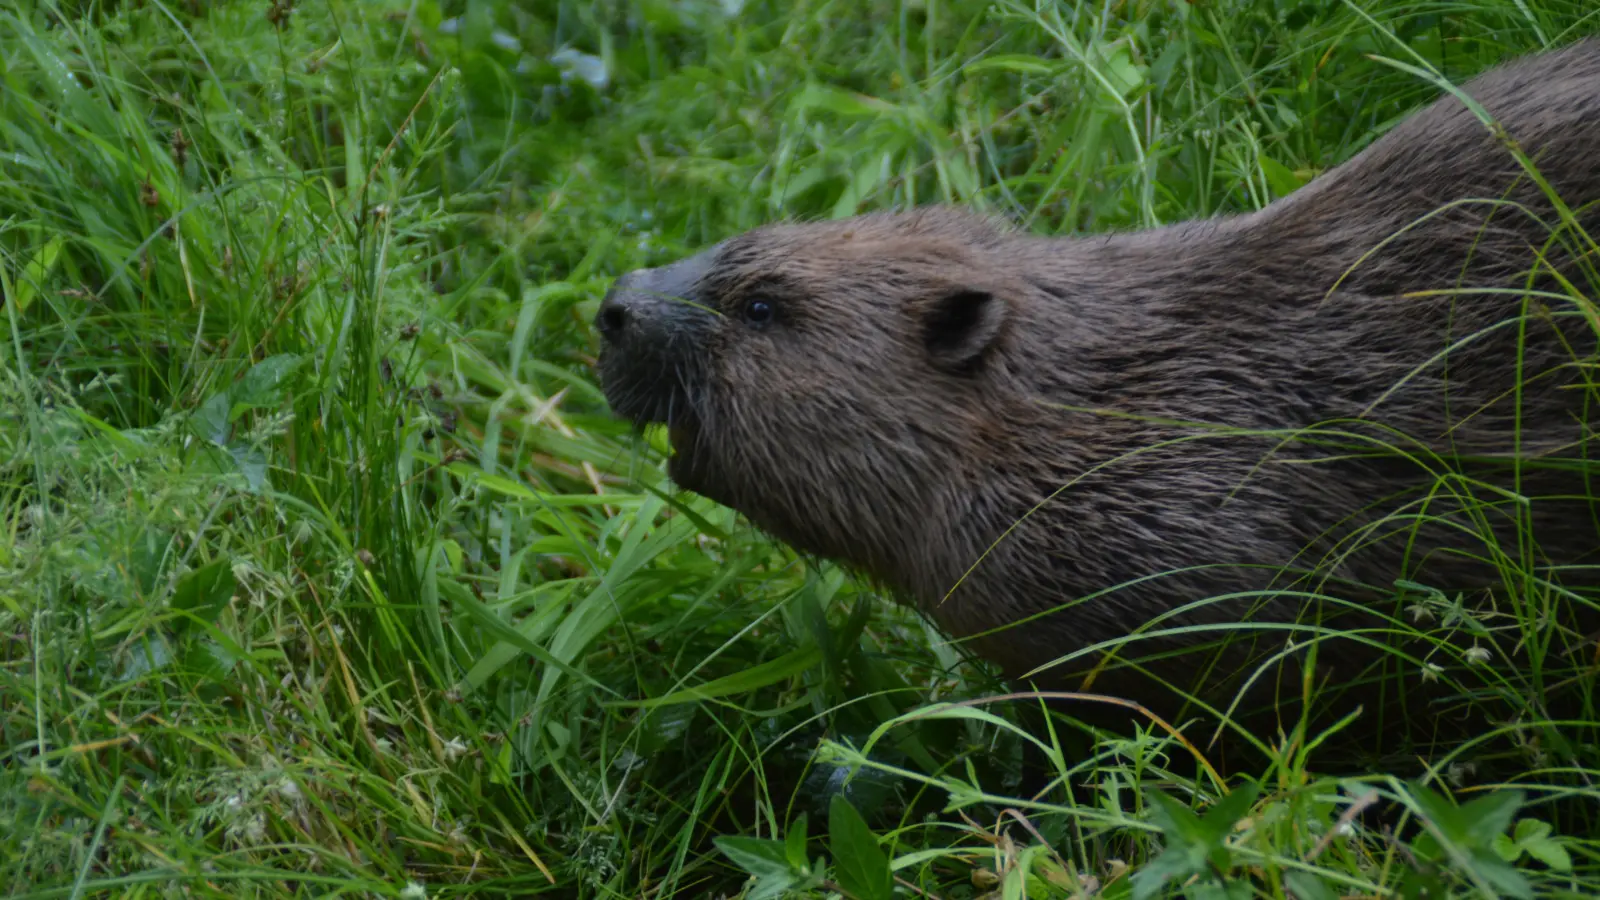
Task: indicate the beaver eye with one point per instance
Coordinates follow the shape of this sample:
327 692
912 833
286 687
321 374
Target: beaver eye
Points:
758 311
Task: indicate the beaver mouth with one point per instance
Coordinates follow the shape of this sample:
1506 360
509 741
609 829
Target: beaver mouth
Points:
655 395
646 391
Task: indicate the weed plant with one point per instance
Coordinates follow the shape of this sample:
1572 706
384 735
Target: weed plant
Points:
325 571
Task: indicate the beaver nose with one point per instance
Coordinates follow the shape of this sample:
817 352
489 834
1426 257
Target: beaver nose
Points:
648 309
612 319
618 309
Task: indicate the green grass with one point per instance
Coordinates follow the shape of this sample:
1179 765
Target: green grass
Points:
325 570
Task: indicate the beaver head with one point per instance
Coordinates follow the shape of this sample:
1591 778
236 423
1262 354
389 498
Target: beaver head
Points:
837 382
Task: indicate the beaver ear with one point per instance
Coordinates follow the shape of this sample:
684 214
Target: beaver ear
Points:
958 327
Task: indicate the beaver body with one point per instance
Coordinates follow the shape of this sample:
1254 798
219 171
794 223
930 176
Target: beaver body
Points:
1244 429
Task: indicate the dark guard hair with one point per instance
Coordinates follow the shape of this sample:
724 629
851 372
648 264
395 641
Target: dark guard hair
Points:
1238 431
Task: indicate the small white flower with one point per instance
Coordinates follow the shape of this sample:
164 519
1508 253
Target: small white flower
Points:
454 749
1477 655
1430 671
1420 613
628 760
385 745
414 891
288 790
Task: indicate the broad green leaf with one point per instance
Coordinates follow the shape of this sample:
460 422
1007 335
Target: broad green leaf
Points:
860 865
37 269
1280 178
1550 853
148 558
1426 846
795 844
1124 75
1499 873
773 888
1225 813
663 727
804 178
1532 836
1444 815
211 418
1531 830
210 658
1194 844
1172 863
265 384
453 555
1488 816
203 593
500 765
252 464
148 653
1306 886
866 178
1176 821
1161 70
761 857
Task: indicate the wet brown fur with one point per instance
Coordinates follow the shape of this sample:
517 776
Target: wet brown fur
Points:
928 378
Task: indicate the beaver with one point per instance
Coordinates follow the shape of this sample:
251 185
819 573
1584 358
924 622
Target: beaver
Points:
1316 425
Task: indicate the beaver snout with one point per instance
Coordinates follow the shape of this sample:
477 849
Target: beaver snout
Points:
654 328
648 308
627 308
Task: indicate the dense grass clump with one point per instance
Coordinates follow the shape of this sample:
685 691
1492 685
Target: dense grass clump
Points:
324 569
